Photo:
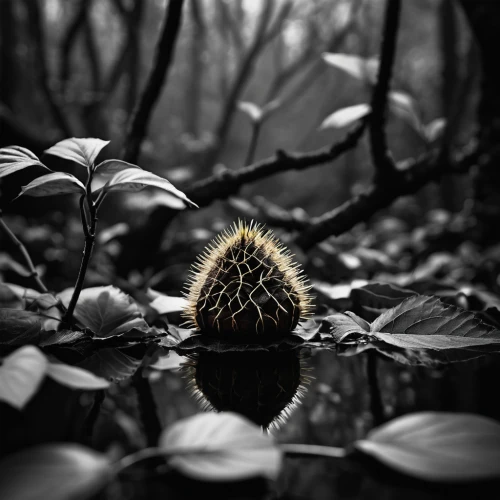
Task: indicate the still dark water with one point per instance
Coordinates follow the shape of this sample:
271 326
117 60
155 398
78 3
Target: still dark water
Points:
314 396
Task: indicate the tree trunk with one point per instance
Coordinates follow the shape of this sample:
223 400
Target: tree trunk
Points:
484 19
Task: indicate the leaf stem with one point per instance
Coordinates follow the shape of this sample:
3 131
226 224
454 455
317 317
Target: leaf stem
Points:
34 273
315 450
89 229
253 142
376 406
136 457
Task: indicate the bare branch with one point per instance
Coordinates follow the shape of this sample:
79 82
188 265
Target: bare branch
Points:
381 157
242 75
228 182
68 42
154 85
407 179
34 273
140 246
39 44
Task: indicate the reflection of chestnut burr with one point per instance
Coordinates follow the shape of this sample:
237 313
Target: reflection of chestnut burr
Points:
246 283
264 386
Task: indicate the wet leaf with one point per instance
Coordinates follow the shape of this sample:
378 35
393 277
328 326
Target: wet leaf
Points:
220 447
112 167
135 179
358 67
345 116
451 447
75 378
422 315
21 373
15 158
19 327
434 129
341 328
111 364
106 310
165 304
55 472
53 184
373 299
81 151
404 106
253 111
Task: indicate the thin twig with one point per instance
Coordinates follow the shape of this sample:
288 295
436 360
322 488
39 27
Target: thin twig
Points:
147 407
312 450
376 405
228 182
253 142
33 272
243 74
163 58
382 160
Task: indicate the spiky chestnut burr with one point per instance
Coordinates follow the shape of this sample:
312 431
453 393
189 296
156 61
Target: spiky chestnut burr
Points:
246 282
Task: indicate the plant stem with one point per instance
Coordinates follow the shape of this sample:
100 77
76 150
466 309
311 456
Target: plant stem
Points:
91 419
89 232
25 254
376 406
253 142
147 406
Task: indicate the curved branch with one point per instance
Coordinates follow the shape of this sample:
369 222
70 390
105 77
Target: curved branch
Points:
228 182
381 157
407 179
163 58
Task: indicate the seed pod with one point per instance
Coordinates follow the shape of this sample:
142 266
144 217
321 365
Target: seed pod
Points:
245 282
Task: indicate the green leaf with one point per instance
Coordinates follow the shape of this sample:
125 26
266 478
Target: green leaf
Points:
15 158
106 310
345 116
53 184
437 342
19 327
404 106
220 447
111 167
75 378
373 299
21 373
135 179
169 361
164 304
111 364
342 328
253 111
451 447
81 151
434 129
358 67
422 315
55 472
